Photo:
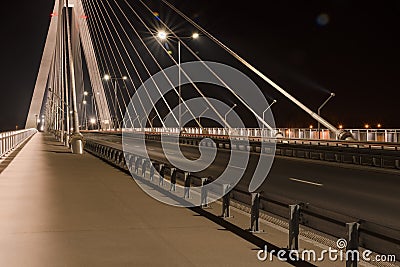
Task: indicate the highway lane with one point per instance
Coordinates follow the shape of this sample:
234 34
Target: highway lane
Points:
362 192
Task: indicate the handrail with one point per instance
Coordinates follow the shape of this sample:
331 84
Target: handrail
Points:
320 142
10 140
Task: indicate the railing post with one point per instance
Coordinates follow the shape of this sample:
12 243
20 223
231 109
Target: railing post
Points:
151 171
187 183
255 213
352 244
161 174
173 180
144 167
137 163
294 218
225 201
204 193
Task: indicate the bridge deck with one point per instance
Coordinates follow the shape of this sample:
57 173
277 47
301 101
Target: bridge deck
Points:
59 209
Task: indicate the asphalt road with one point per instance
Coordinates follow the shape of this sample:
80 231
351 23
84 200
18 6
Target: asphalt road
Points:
363 192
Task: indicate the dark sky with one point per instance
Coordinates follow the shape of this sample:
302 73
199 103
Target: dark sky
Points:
309 47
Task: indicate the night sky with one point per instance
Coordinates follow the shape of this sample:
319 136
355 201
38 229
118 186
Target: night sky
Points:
310 48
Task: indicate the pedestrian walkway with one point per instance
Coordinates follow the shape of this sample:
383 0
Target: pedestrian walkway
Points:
60 209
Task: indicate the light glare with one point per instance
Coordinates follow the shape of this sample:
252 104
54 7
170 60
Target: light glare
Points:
162 35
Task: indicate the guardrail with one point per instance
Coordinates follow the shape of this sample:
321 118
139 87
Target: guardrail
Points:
356 231
362 135
10 140
372 154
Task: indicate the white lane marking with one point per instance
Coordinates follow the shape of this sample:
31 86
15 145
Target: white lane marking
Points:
306 182
236 167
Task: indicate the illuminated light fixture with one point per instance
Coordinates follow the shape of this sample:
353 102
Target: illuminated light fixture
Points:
379 125
162 35
92 120
84 102
124 78
366 126
170 52
311 126
340 126
195 35
106 77
85 93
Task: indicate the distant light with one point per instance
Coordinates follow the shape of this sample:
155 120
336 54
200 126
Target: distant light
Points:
379 125
85 93
340 126
195 35
323 19
366 126
124 78
42 116
332 94
162 35
169 52
92 120
311 126
106 77
70 112
84 102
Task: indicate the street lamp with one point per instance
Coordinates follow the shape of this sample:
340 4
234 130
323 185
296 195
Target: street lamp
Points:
263 126
319 112
226 114
163 36
107 77
92 122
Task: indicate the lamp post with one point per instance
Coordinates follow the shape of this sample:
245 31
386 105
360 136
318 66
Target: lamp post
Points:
201 114
226 114
263 126
107 77
319 112
163 36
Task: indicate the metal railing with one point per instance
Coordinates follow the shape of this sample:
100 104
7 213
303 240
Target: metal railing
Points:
378 238
10 140
362 135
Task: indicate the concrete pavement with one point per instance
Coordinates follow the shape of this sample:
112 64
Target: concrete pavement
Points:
59 209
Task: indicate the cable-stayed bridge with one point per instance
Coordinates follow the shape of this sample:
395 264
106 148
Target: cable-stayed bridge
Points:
117 80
